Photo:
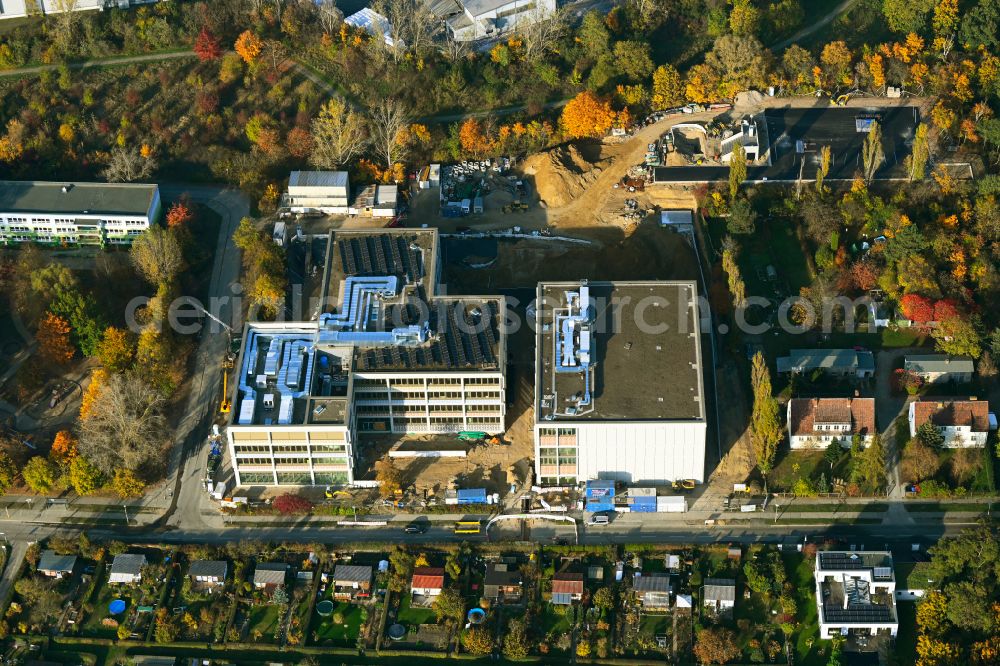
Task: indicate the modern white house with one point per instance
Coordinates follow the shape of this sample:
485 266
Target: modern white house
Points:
326 192
389 357
468 20
76 213
855 593
962 423
939 368
815 422
618 383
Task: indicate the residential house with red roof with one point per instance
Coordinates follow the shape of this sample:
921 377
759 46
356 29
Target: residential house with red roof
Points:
427 581
815 422
964 423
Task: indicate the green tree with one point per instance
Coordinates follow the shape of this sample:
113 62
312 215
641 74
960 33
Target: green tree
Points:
40 474
959 336
920 154
668 88
449 605
929 435
742 219
744 19
737 169
981 25
907 15
633 59
8 472
593 35
871 466
872 154
834 451
604 598
83 476
515 642
765 426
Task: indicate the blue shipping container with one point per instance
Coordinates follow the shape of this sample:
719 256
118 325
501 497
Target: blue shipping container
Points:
472 496
643 507
599 505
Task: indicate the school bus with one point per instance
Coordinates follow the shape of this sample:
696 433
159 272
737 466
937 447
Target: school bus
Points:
468 527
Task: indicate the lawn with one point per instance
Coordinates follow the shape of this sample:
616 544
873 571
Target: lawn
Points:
263 621
800 575
653 625
555 620
132 596
414 615
810 465
345 632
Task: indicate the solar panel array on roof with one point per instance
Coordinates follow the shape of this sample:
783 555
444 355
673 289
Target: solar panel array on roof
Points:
866 613
841 561
381 254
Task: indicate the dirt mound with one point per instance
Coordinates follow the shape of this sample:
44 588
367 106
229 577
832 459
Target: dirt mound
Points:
561 174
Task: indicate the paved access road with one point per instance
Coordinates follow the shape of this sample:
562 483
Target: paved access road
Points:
189 453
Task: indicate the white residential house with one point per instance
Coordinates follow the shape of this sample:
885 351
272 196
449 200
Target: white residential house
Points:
962 423
427 581
326 192
127 568
815 422
855 593
54 565
76 213
208 573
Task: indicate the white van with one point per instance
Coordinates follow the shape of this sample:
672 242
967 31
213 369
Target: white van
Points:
600 519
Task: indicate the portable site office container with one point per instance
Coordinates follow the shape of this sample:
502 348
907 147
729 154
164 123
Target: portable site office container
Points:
600 488
472 496
671 504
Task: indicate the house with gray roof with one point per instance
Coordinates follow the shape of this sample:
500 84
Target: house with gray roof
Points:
351 581
208 573
468 20
652 590
838 362
54 565
127 568
940 368
719 594
270 575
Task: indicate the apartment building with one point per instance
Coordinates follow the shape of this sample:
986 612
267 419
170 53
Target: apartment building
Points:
815 422
618 383
388 356
855 594
962 423
76 213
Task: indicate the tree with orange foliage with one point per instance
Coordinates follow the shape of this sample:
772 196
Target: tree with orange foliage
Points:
53 339
97 379
587 115
248 46
207 46
473 139
179 215
299 142
63 448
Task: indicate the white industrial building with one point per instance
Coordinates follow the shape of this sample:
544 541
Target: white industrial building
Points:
317 192
815 422
22 8
855 594
76 213
393 357
373 23
618 383
475 19
962 423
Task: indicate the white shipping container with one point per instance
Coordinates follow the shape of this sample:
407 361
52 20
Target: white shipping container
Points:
642 492
748 508
671 504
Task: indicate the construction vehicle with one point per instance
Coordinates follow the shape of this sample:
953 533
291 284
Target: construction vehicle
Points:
226 405
472 436
684 484
842 100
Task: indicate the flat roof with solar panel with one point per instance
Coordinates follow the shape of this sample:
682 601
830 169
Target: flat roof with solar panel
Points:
855 589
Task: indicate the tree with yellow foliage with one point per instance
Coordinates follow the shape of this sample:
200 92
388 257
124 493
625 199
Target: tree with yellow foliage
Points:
97 379
668 88
587 116
836 58
248 46
127 484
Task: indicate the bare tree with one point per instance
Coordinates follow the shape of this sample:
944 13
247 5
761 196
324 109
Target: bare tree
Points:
338 135
65 14
388 120
126 165
540 31
412 26
157 255
454 49
330 15
125 426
